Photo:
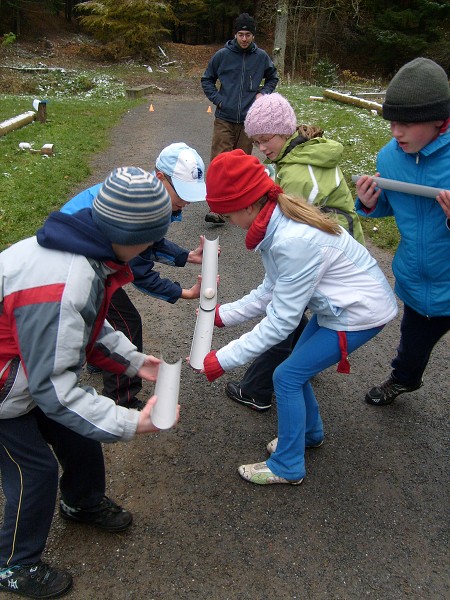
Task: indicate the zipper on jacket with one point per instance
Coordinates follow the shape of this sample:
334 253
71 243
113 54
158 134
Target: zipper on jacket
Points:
241 87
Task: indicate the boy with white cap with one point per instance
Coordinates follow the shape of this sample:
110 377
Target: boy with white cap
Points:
182 172
55 289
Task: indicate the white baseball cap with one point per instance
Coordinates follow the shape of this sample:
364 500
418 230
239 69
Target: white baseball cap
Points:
186 169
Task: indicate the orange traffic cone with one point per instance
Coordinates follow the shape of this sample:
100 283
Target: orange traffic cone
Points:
151 109
209 109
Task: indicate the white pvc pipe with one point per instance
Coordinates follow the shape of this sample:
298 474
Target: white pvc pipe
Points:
204 326
167 389
403 186
210 261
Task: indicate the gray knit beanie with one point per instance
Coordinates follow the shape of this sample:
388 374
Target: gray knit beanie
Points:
132 207
418 92
270 114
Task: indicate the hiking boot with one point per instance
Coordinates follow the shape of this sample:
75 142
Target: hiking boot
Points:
214 218
35 581
388 391
107 515
93 370
261 474
134 403
272 446
233 391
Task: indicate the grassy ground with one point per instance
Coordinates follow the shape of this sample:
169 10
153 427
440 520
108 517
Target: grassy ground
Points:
83 107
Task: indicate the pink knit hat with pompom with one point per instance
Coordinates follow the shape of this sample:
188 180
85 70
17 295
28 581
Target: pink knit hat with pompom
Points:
270 114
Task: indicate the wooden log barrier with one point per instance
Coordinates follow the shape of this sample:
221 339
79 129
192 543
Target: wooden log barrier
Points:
17 122
347 99
138 91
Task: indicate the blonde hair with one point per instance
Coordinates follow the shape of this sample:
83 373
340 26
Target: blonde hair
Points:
300 211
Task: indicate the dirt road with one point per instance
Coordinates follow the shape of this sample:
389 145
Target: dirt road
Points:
369 520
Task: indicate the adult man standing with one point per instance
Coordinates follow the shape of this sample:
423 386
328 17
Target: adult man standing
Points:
241 67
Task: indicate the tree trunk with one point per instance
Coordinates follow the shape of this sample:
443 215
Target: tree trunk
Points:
279 48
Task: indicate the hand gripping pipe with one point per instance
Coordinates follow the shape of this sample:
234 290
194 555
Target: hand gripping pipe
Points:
204 326
403 186
167 389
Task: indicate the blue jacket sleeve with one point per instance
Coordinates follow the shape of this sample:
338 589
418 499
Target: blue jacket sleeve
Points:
82 200
149 281
209 79
270 77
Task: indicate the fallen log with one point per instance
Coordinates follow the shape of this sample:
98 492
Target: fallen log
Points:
347 99
17 122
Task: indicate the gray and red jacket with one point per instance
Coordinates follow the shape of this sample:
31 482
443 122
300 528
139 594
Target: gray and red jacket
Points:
54 294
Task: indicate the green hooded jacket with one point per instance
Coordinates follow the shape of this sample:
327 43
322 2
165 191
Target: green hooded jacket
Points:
310 169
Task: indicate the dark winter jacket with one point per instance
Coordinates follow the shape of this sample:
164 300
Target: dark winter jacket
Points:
241 73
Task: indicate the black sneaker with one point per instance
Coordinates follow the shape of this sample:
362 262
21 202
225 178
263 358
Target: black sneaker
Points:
35 581
92 370
388 391
107 515
214 218
233 391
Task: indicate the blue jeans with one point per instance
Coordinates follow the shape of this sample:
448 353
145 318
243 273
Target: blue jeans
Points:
298 410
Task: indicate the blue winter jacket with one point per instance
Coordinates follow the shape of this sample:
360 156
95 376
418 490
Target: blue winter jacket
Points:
146 279
240 73
421 263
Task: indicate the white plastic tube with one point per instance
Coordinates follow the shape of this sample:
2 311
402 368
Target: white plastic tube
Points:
204 326
403 186
167 389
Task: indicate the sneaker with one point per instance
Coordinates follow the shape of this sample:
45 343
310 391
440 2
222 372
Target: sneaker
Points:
107 515
214 218
261 474
388 391
134 403
35 581
233 391
93 370
272 446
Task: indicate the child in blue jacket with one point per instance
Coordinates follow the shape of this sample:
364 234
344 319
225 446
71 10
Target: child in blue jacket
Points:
418 106
182 172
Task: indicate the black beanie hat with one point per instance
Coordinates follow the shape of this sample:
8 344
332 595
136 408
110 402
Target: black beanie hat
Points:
244 22
418 92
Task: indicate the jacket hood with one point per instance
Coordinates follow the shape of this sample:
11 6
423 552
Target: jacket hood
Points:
318 152
77 234
234 47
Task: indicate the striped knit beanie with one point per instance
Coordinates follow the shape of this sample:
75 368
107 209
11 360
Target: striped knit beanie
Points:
418 93
132 207
270 114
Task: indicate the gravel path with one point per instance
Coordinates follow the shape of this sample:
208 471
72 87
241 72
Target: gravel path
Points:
369 520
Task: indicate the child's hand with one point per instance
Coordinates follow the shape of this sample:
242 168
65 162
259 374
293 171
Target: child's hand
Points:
194 291
149 369
196 256
367 192
145 424
444 200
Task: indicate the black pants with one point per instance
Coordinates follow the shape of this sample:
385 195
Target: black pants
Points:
30 481
418 337
257 381
124 317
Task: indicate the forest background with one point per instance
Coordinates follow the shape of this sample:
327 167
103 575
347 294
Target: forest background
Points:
315 40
